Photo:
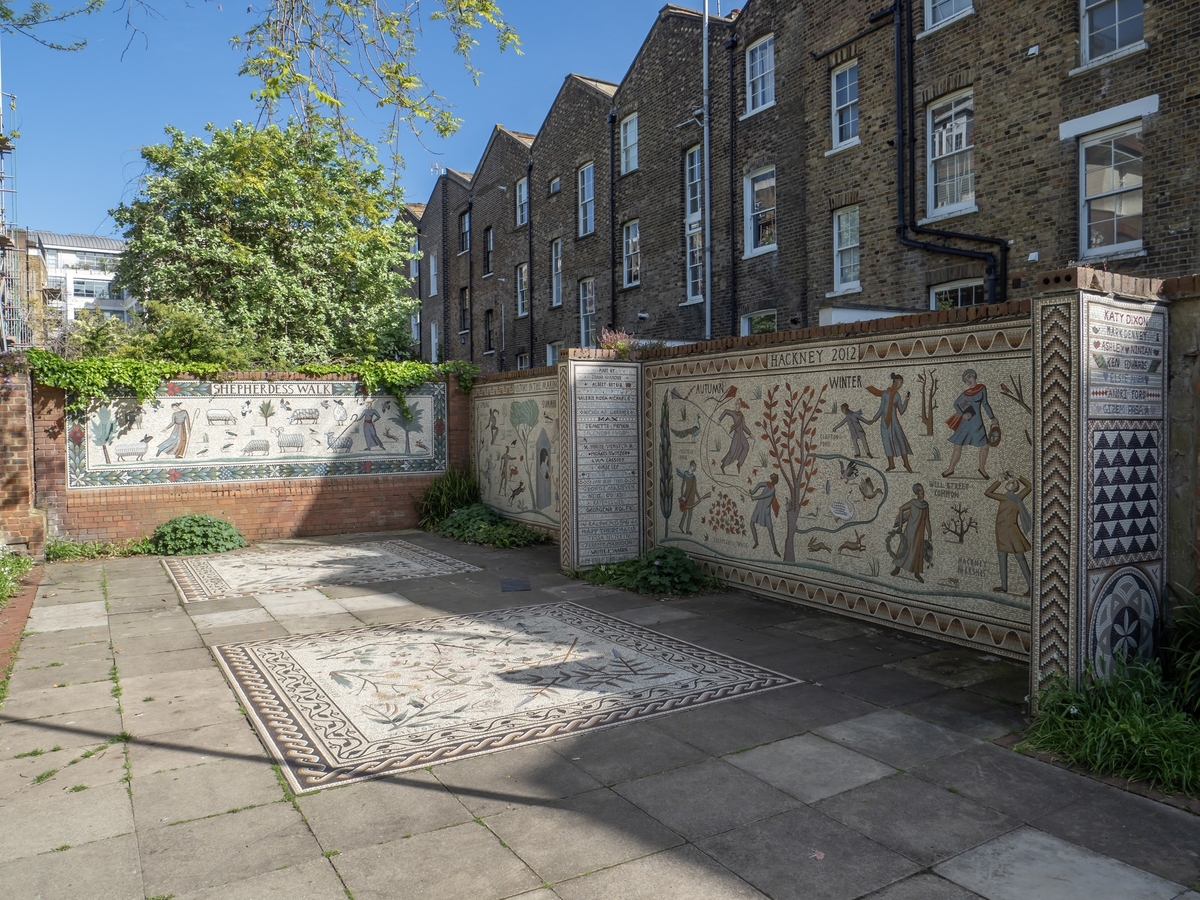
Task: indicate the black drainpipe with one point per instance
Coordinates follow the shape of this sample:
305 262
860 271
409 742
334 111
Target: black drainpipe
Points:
442 288
612 218
734 324
470 280
903 225
529 237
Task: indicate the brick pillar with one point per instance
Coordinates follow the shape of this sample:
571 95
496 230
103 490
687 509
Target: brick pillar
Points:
22 526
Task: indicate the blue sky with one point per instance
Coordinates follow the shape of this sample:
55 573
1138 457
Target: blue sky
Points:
82 116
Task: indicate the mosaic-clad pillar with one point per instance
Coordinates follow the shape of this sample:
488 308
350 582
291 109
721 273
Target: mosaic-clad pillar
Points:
1099 549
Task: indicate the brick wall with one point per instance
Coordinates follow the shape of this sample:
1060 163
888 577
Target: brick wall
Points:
22 527
260 510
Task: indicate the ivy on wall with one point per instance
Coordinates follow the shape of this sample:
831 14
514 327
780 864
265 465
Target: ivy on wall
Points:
95 380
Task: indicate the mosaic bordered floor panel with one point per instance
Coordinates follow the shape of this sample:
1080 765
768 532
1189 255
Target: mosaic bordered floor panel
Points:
338 708
264 571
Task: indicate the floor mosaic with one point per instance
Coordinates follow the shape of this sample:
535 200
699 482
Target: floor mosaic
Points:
259 571
338 708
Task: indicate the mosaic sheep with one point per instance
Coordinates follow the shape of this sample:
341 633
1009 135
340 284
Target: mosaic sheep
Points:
137 451
257 446
300 416
220 417
340 444
288 442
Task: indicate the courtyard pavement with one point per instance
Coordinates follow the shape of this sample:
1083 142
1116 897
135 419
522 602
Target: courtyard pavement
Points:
128 769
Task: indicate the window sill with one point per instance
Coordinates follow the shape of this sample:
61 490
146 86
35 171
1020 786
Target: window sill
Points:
943 215
524 315
855 288
463 252
1088 259
693 301
853 142
945 22
488 274
761 251
629 287
580 237
632 171
556 305
754 112
465 331
520 225
489 352
1115 56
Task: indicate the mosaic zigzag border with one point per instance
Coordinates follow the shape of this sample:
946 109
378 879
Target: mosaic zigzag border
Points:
308 768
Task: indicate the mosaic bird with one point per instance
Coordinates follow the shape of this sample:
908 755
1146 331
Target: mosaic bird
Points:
226 446
231 433
202 452
849 470
245 408
686 432
868 488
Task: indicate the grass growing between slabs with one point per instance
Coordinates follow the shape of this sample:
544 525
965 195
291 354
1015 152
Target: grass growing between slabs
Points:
12 569
1132 725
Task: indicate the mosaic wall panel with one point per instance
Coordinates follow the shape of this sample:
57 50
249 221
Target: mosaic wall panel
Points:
887 478
515 428
1124 351
202 432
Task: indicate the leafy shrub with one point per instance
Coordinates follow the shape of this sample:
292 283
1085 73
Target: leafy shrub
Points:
1130 725
73 551
12 570
478 524
1181 651
448 492
190 535
625 343
663 570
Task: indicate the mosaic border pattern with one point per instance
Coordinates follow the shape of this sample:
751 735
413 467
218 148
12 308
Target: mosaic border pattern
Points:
1096 428
283 713
197 580
79 476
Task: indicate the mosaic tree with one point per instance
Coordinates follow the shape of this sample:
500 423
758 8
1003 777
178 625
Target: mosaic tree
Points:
666 487
104 430
929 385
523 414
410 421
789 426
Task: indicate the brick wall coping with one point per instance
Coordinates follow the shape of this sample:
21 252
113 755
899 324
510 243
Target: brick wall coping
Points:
515 374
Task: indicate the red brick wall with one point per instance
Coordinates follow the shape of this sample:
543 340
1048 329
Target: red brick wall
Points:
21 526
260 510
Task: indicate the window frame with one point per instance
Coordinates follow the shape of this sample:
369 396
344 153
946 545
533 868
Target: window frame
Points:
522 199
931 6
489 338
629 148
414 263
555 185
631 256
522 284
433 275
586 207
957 285
523 361
767 75
590 330
932 210
554 349
1093 138
835 109
435 343
855 285
414 325
556 273
464 309
1086 56
747 322
749 214
693 222
464 231
489 245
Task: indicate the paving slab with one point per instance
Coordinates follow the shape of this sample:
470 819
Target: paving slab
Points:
79 729
59 701
526 775
922 821
320 624
897 739
968 713
237 634
804 855
681 874
170 750
210 621
706 798
90 614
1011 687
809 663
168 685
161 663
187 709
809 706
1029 863
374 812
27 677
103 870
315 880
883 686
720 728
51 818
881 649
923 886
957 667
374 603
614 755
828 628
580 834
106 765
810 768
1014 784
35 652
158 643
654 615
223 849
164 798
434 867
298 604
1133 829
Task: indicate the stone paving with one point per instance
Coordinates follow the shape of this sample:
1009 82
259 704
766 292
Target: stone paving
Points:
876 777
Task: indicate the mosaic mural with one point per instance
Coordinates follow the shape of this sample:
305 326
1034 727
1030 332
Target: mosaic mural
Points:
199 431
515 437
338 708
888 478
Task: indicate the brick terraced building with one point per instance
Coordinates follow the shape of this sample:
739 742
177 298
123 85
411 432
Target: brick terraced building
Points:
864 161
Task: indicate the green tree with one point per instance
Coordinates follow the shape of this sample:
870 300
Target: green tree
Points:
270 232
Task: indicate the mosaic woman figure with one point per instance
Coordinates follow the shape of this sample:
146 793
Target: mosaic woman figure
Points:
967 423
181 430
766 506
369 417
739 439
891 432
689 496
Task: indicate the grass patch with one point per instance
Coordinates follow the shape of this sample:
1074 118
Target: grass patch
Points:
44 776
38 751
147 699
12 569
329 854
478 524
446 493
77 788
663 570
76 551
60 848
1181 650
1131 725
53 665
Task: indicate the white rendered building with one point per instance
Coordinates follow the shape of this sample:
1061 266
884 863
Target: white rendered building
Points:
81 267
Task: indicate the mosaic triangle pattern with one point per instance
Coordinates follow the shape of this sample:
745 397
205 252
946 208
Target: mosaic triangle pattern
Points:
339 708
1125 491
